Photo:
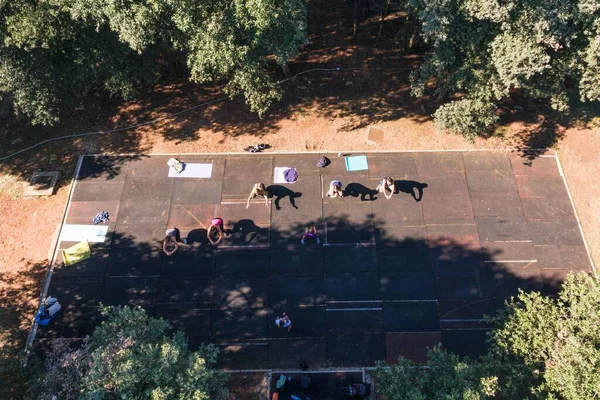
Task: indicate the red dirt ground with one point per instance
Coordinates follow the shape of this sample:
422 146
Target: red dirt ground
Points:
320 111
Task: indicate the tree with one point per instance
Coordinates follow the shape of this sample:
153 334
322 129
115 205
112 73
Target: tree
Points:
484 49
447 378
552 346
133 356
55 53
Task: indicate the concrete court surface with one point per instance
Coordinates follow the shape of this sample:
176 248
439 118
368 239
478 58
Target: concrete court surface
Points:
391 277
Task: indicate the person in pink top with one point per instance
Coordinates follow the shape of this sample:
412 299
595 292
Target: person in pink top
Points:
215 231
311 233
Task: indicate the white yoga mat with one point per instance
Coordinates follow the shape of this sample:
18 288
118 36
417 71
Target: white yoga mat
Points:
278 174
78 233
193 171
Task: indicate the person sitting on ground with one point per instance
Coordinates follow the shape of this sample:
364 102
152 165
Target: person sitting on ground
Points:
172 238
311 233
259 189
215 231
284 322
335 189
386 185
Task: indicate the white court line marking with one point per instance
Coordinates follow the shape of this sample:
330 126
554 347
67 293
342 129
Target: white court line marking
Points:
234 202
249 246
510 241
322 191
513 261
48 278
334 152
243 344
355 309
379 301
463 320
469 329
358 244
353 301
585 243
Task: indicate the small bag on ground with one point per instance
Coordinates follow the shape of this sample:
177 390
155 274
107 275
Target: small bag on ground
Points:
175 164
323 162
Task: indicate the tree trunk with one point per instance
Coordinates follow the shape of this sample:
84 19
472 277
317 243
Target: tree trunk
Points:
383 15
355 18
286 70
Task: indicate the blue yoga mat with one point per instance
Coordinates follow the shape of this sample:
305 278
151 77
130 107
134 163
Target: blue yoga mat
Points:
356 163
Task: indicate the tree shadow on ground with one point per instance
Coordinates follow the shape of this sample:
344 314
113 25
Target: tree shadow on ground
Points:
19 293
446 265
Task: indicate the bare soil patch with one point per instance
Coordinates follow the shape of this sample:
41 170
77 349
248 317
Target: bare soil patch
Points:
321 110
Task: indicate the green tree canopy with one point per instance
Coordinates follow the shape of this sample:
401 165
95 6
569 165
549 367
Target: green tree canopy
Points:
484 49
56 52
555 341
133 356
446 378
542 348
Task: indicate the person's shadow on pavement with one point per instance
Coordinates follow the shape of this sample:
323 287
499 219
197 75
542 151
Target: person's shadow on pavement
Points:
244 231
414 188
279 192
358 189
197 237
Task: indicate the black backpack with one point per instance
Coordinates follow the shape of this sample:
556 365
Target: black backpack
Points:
323 162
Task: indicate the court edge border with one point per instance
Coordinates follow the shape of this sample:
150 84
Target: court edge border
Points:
48 278
585 242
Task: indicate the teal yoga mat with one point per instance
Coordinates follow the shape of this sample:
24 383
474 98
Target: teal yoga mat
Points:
356 163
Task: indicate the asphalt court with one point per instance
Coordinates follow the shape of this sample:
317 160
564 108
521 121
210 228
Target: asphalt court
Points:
463 232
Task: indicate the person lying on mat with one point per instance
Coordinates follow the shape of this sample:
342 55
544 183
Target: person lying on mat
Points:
335 189
172 237
386 186
258 189
215 231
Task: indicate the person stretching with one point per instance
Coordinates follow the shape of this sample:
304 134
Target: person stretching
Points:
284 322
335 189
215 231
386 185
259 189
311 233
171 239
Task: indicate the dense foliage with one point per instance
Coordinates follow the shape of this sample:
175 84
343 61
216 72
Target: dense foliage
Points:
543 348
132 356
556 341
447 378
484 49
54 53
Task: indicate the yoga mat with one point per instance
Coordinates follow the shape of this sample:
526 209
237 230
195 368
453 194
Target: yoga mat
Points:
77 233
193 171
79 252
356 163
278 174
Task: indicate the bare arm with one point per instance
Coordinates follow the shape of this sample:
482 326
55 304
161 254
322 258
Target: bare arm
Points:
208 236
385 192
252 195
266 200
220 232
165 247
